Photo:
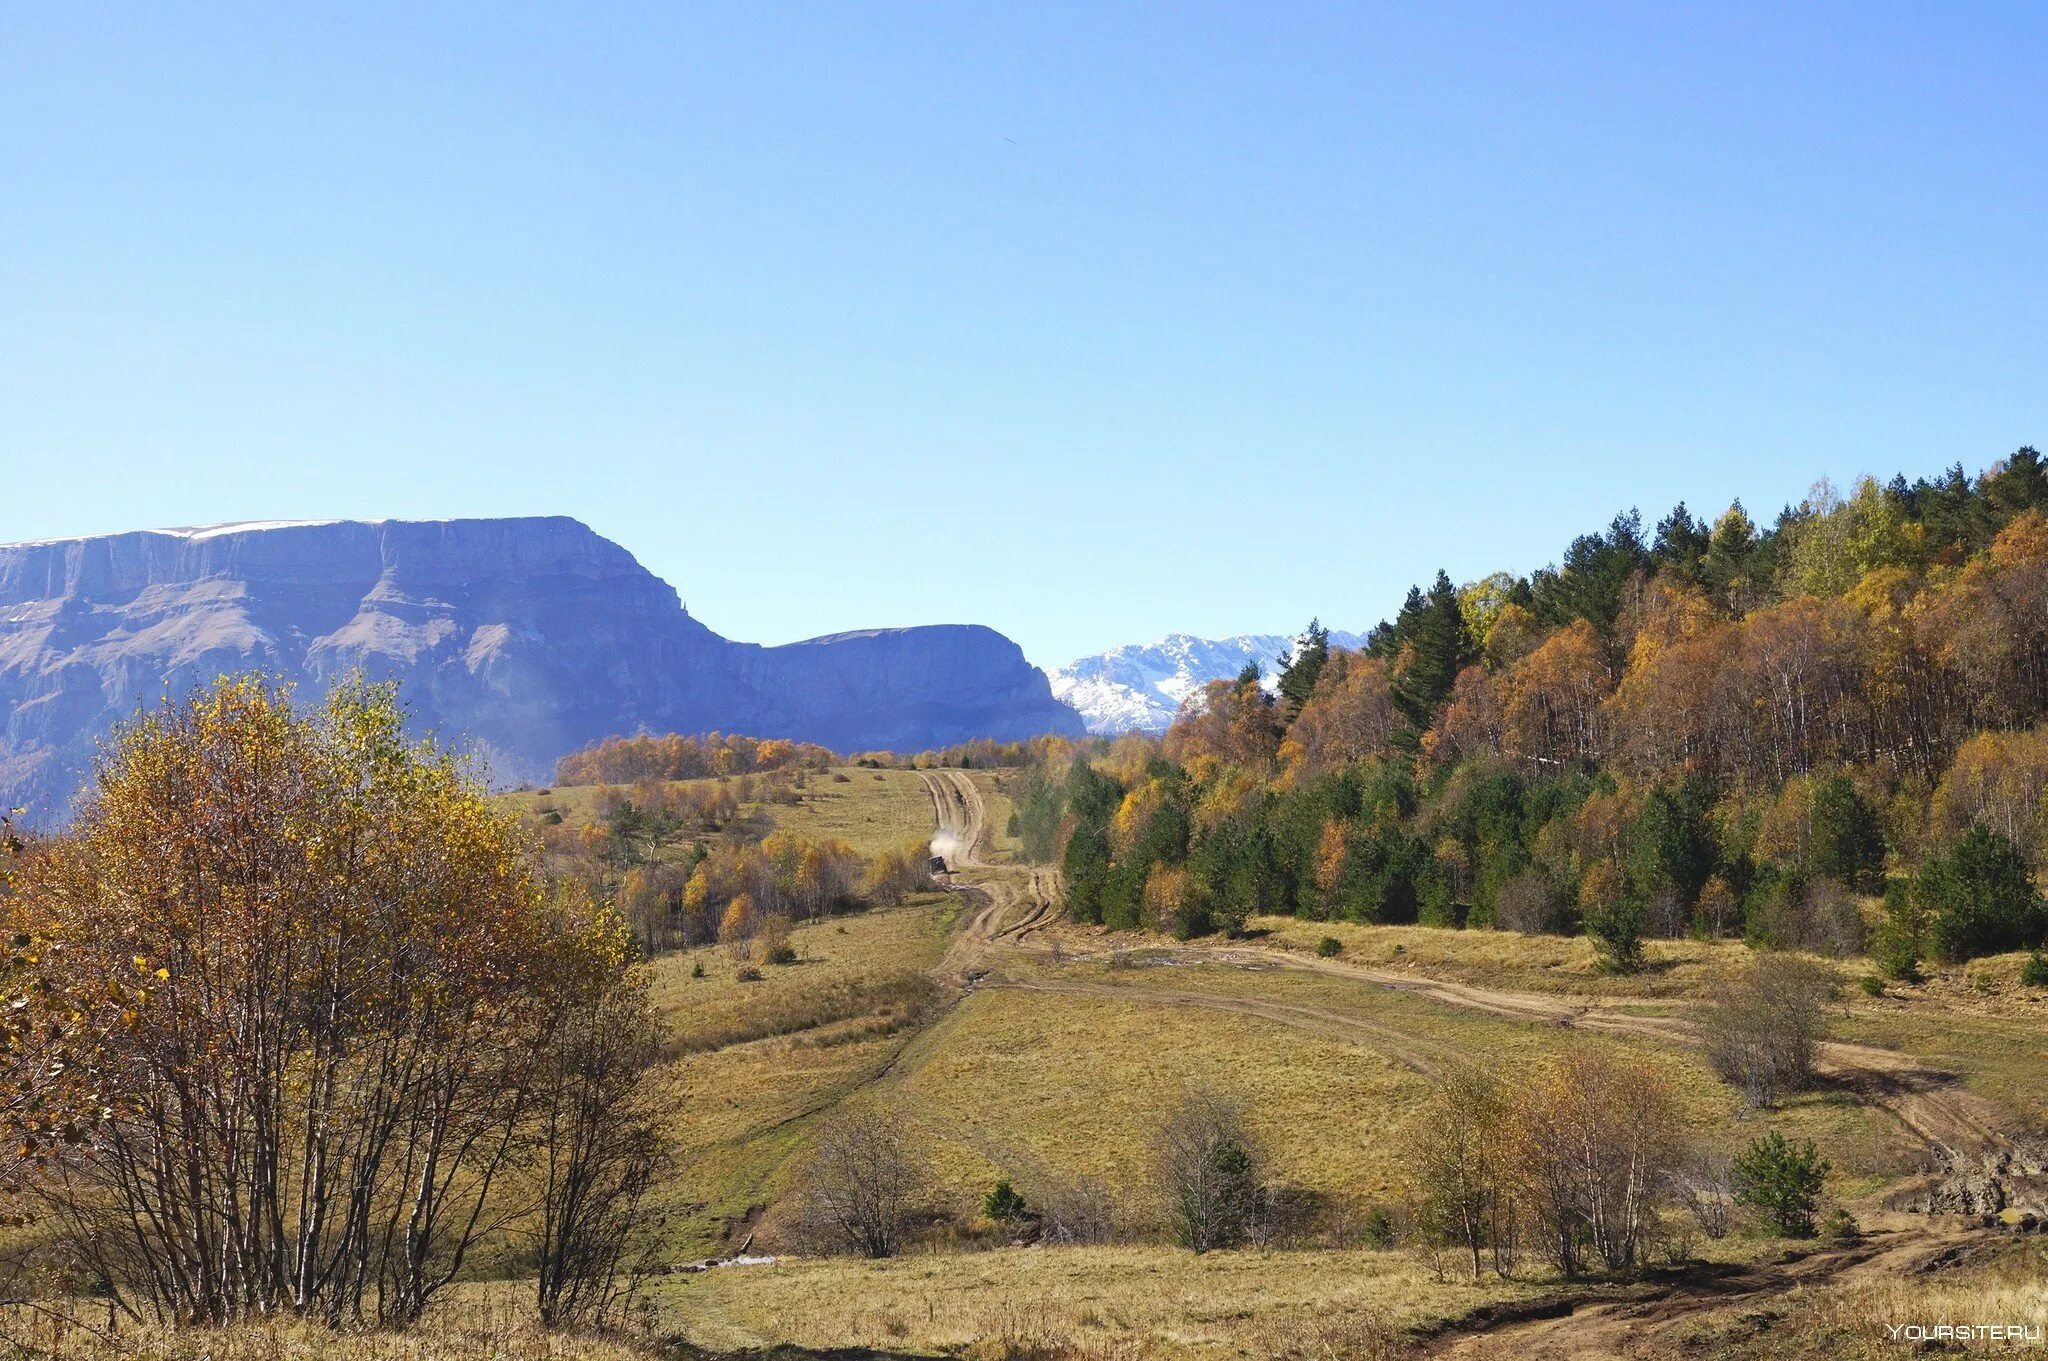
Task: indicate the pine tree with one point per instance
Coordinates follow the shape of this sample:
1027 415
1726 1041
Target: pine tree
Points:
1979 898
1433 647
1300 670
1845 844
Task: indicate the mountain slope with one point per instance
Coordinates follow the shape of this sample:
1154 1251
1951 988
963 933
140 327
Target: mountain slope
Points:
1139 687
519 638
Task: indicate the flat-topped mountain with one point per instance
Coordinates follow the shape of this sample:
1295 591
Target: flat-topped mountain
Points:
521 639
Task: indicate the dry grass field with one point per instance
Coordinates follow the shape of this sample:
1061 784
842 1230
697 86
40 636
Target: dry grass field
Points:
1053 1067
1151 1302
870 810
755 1060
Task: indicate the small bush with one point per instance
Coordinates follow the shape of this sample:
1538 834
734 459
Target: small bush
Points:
1782 1179
696 968
1379 1231
1329 947
1872 985
1616 929
1003 1204
1761 1023
748 974
1839 1224
2034 971
784 953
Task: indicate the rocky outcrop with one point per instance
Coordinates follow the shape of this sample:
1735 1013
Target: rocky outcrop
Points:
519 639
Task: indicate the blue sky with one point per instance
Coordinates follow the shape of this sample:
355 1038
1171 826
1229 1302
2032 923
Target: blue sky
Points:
1088 322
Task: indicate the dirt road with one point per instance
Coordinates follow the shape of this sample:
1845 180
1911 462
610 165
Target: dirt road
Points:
1661 1319
1011 902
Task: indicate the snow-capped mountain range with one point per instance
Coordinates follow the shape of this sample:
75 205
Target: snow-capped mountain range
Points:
1139 687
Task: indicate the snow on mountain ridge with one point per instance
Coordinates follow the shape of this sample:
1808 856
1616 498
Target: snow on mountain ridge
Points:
1140 686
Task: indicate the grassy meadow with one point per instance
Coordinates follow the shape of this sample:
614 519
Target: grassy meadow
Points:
1053 1069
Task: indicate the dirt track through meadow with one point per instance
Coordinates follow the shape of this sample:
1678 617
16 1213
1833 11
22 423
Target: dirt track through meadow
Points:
1015 914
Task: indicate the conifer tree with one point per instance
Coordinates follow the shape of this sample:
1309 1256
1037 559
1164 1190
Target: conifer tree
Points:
1300 670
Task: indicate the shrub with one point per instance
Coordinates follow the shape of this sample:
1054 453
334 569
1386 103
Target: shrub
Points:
1872 985
1782 1179
1589 1144
1079 1211
1616 929
785 953
1329 947
2034 971
1003 1204
1762 1023
1380 1231
696 968
1528 903
1208 1173
747 973
1705 1187
861 1183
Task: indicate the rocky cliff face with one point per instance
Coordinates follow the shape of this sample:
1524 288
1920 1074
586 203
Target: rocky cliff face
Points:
520 639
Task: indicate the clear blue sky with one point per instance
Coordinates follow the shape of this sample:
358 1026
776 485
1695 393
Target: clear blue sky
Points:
1130 319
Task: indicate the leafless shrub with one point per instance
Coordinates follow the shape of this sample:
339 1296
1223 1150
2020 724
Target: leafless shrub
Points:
1528 903
1209 1174
1076 1211
1705 1188
1832 923
862 1183
1761 1023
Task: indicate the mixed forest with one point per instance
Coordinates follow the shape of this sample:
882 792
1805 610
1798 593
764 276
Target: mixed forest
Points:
1705 727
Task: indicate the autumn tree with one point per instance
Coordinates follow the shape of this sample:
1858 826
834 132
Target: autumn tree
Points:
1591 1143
1459 1170
599 1118
326 1088
1999 779
1348 717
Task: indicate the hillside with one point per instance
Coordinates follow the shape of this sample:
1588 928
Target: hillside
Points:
1054 1050
520 639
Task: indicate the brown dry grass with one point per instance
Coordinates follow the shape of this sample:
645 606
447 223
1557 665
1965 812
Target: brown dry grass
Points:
494 1326
1075 1302
870 810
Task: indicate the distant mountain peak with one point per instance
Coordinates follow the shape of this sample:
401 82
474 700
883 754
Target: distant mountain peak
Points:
1139 687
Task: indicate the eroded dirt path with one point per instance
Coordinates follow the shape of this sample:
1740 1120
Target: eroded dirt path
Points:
1664 1319
1009 902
